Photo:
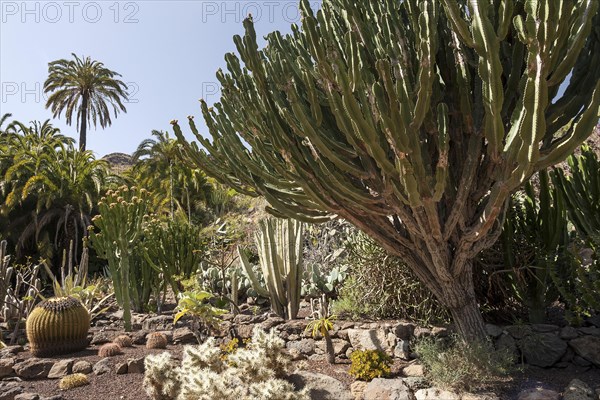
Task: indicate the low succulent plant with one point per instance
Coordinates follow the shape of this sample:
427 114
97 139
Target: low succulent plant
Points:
109 350
58 325
123 341
72 381
369 364
156 340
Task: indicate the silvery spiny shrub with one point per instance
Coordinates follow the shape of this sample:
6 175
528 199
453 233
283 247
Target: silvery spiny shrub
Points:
207 355
161 377
253 373
263 359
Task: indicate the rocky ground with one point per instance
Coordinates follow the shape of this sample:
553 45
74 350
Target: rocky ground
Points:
563 370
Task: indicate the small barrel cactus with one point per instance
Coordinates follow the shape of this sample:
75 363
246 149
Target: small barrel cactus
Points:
123 341
156 340
72 381
58 325
109 350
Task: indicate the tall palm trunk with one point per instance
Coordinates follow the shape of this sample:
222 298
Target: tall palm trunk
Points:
83 122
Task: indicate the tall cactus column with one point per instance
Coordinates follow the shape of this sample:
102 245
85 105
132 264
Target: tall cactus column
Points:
413 120
280 247
120 225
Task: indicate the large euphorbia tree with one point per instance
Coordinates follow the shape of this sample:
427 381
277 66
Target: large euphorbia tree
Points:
413 120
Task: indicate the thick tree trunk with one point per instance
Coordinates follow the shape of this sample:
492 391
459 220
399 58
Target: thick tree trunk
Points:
469 322
459 296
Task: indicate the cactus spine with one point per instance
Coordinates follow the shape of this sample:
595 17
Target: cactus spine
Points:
412 120
279 244
58 325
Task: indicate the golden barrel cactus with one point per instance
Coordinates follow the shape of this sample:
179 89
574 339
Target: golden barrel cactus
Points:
58 325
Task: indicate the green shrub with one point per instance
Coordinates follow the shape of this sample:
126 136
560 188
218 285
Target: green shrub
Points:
381 286
456 365
369 364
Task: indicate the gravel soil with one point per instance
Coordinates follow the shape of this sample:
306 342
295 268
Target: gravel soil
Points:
111 386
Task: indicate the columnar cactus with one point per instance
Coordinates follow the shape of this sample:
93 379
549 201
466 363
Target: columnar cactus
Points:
58 325
279 244
412 120
581 191
119 222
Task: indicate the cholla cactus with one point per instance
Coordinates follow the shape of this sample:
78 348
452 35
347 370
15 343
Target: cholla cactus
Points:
161 379
205 356
253 373
207 385
263 359
274 389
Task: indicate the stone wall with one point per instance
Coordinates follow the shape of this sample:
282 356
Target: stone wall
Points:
541 345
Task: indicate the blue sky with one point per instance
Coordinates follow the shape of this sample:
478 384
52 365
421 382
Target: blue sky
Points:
167 51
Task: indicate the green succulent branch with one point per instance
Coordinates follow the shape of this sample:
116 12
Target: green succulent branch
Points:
412 120
121 213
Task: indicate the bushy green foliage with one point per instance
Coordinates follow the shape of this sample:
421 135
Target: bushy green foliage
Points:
325 258
175 187
251 373
49 190
174 248
381 286
580 188
456 365
537 259
533 245
204 315
413 120
369 364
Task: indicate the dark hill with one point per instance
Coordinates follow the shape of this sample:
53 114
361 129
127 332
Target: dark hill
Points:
119 162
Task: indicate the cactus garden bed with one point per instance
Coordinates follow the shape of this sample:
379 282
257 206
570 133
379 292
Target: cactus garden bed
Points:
121 376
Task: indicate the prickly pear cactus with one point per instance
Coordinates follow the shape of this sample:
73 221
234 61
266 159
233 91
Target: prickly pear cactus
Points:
58 325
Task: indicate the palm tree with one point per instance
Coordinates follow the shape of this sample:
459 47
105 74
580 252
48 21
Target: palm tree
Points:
49 189
87 87
159 168
2 121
